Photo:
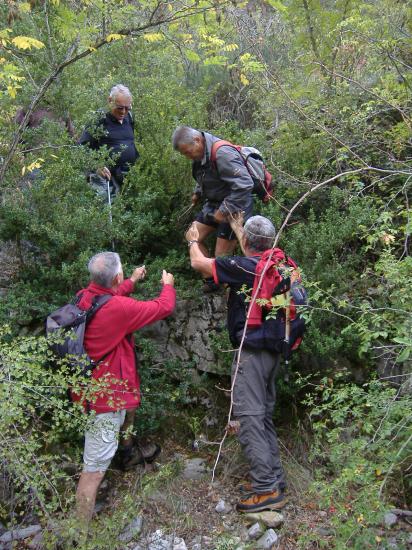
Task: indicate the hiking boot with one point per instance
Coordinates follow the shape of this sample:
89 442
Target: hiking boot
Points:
128 457
150 451
132 455
246 487
264 501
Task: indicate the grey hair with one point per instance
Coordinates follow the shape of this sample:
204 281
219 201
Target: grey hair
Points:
184 135
104 267
119 89
259 233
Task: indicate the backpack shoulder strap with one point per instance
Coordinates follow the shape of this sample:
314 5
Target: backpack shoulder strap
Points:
98 302
217 145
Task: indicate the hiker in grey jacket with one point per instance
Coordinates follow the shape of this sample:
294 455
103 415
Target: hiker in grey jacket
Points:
225 186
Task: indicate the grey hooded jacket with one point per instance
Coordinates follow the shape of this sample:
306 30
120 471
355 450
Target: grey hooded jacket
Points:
228 184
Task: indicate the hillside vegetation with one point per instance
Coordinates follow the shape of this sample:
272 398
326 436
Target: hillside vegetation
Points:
323 89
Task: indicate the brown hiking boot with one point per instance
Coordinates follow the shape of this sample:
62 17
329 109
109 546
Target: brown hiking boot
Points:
246 487
265 501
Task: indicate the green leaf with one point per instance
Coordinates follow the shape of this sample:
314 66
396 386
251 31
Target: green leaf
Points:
277 4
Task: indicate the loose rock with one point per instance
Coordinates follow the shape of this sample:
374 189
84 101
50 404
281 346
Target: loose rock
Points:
269 519
255 531
194 468
223 507
267 540
20 534
132 530
390 519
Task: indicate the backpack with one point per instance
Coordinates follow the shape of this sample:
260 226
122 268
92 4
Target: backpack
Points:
282 327
262 179
72 321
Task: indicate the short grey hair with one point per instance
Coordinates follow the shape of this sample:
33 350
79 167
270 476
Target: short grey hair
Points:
184 135
104 267
259 233
119 89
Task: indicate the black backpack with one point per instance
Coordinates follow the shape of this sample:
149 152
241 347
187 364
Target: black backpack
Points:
71 322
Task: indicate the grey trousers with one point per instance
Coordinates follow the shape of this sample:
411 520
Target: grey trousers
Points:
254 396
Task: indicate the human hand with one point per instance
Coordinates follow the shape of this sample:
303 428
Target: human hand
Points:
192 233
167 278
236 219
195 199
104 173
138 274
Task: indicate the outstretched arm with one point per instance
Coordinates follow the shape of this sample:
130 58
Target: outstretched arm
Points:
198 260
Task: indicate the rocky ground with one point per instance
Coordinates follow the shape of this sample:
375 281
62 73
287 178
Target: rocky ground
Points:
174 505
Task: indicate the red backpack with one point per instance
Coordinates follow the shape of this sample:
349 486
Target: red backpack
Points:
262 179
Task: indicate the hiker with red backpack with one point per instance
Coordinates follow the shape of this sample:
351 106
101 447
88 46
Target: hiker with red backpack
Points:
261 331
223 182
109 343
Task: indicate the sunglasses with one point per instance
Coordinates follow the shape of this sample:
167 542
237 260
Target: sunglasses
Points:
122 107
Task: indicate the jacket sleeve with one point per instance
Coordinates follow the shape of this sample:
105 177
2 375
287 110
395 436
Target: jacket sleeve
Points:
87 139
232 170
139 314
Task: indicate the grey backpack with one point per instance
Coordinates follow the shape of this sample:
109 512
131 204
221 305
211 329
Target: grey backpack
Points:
70 323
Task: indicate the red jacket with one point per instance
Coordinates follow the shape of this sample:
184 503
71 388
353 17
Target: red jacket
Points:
110 332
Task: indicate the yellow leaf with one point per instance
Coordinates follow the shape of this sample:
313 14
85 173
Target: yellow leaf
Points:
378 472
2 59
23 170
12 91
244 80
153 37
36 164
378 539
25 7
230 47
114 36
27 43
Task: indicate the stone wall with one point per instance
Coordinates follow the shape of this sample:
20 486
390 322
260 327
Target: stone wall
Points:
190 334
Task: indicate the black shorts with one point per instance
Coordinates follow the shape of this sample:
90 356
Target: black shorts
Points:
224 231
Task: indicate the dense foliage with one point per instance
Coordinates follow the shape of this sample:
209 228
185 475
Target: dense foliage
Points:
323 88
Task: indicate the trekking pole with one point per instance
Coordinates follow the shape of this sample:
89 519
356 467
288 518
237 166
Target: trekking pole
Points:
109 200
287 338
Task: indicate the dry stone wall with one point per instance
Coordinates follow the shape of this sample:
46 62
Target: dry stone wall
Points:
191 333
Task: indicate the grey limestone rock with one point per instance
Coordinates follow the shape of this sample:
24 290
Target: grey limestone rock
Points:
269 519
194 468
390 519
132 530
223 507
255 531
267 540
20 534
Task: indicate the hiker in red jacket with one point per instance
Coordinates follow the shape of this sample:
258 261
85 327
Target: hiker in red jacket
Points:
256 365
109 341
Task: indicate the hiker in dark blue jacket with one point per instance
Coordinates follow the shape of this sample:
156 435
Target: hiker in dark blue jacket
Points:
224 185
115 130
